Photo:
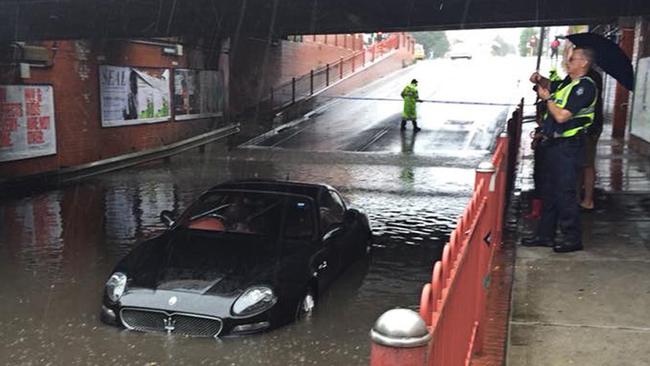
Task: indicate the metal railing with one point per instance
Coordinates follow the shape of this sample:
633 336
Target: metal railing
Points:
453 304
306 85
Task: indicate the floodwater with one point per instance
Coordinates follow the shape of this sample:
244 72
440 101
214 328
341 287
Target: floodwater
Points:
57 248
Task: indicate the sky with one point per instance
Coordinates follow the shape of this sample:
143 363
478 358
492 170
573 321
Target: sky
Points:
481 39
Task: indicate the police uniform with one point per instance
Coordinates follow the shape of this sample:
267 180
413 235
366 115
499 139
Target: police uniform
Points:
564 154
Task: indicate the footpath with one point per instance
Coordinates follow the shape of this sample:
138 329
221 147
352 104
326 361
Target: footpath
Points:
590 307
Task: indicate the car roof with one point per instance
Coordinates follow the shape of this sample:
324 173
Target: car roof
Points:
311 190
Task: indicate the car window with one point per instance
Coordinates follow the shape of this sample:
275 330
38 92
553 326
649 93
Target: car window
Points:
239 212
299 219
331 209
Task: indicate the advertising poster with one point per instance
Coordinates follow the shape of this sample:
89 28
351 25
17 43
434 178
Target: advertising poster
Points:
26 122
640 124
131 96
197 94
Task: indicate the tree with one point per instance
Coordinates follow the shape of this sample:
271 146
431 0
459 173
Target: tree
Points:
525 36
435 43
501 47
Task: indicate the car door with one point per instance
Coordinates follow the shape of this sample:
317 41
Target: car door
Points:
334 234
302 233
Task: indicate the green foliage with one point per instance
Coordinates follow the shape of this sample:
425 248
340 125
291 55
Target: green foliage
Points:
501 47
526 33
433 42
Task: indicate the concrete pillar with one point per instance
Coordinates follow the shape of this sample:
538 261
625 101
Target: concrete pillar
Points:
622 96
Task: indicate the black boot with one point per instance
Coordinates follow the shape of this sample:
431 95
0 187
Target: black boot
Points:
403 125
537 241
415 126
566 248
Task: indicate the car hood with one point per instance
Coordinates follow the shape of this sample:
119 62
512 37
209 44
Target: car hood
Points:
206 263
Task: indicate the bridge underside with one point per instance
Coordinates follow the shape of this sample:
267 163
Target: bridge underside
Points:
99 19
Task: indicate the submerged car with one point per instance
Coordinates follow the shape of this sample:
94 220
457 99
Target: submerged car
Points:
247 256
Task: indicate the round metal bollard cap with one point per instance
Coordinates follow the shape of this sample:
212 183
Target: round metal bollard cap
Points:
401 328
486 167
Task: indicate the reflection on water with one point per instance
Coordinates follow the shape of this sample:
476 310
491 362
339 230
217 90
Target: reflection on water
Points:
32 230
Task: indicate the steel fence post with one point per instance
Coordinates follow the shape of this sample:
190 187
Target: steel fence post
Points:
327 75
272 98
340 68
293 90
311 82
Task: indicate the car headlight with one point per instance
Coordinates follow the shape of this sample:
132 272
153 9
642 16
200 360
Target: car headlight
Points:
254 300
115 286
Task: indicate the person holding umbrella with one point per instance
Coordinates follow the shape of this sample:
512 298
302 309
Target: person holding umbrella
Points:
570 110
612 60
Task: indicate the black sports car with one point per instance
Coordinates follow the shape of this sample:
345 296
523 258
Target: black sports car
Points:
247 256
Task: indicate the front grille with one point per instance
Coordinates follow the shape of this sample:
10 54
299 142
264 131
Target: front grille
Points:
145 320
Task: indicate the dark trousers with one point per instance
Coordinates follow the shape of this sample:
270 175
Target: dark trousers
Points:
563 160
538 170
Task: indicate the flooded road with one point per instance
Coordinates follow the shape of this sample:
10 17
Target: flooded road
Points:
57 248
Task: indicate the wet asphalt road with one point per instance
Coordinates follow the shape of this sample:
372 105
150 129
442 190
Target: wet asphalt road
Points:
57 248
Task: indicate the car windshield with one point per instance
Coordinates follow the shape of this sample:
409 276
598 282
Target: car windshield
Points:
239 212
248 212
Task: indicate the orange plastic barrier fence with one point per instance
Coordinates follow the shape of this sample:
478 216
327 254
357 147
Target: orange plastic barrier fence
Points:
453 304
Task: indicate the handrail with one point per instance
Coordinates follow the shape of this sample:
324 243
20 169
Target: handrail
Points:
453 304
317 79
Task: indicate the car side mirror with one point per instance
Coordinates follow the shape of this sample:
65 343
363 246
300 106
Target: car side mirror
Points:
167 217
350 217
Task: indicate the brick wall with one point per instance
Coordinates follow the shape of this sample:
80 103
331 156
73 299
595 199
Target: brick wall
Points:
400 59
641 50
79 134
256 66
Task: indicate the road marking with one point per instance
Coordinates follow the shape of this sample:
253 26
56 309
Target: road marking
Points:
374 139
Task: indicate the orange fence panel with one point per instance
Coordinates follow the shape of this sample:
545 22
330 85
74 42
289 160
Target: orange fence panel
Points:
453 304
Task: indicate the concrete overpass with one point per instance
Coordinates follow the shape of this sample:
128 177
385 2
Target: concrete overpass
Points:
99 19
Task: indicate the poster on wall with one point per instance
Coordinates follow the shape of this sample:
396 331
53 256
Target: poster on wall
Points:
640 124
132 96
197 94
26 122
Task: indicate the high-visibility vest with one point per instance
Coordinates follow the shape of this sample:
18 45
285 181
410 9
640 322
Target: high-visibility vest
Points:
560 98
553 76
410 90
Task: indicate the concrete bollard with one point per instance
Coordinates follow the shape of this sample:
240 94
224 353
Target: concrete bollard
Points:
399 337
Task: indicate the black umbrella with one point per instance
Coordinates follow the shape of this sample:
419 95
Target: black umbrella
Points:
609 56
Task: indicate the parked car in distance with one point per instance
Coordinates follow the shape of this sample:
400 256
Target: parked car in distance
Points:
418 52
454 55
245 257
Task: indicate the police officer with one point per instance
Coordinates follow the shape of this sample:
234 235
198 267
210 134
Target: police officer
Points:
410 96
570 110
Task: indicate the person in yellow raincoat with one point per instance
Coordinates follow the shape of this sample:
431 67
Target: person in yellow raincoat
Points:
411 97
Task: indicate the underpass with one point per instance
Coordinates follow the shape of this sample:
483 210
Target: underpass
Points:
58 247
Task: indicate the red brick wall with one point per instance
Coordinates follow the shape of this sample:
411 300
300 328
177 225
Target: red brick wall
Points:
641 50
254 69
79 134
402 58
